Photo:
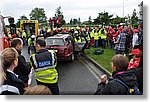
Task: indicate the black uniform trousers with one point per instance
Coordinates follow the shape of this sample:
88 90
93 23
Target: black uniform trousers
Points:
53 87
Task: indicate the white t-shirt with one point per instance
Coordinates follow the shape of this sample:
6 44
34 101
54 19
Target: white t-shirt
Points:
135 40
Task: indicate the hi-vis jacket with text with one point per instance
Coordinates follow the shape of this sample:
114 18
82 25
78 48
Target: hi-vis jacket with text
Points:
44 63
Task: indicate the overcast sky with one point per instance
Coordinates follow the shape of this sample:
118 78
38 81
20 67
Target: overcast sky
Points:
70 8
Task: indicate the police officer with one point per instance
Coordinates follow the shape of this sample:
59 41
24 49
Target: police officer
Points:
44 63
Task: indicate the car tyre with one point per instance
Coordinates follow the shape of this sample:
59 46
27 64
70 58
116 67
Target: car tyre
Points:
72 57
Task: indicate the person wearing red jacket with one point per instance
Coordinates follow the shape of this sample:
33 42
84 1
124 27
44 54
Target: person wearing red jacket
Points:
110 36
55 21
58 22
135 60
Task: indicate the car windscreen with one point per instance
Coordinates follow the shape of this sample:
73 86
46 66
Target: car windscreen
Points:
54 41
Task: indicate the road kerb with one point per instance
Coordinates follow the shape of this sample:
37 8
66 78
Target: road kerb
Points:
97 65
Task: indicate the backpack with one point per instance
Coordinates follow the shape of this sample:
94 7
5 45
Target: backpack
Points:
98 51
131 91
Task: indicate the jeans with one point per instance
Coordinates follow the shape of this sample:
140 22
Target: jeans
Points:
119 52
103 43
96 43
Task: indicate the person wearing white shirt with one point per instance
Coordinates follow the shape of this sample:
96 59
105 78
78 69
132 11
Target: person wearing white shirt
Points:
135 38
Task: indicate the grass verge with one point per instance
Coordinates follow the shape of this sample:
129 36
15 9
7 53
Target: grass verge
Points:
104 59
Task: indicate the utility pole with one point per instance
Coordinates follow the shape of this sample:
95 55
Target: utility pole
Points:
123 9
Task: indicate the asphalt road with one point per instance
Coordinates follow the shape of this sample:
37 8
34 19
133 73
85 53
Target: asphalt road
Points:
76 78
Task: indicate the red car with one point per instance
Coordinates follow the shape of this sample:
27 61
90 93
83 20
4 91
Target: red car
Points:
63 45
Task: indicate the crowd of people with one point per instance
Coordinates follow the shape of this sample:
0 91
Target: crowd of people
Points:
128 81
15 70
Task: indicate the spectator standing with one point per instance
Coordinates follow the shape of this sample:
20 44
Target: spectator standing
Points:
51 24
12 85
58 22
135 39
140 35
139 74
110 34
22 69
103 34
119 68
136 57
121 41
55 21
96 37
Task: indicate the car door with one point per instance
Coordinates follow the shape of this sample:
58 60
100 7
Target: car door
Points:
70 45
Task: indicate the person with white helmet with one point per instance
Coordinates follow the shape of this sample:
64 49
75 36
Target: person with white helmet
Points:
31 42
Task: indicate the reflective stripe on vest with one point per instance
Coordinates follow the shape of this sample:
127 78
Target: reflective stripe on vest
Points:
103 36
34 60
53 58
45 68
47 74
9 88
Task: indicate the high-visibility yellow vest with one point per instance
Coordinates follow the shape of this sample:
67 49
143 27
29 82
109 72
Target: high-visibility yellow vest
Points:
91 34
9 35
104 35
44 64
79 41
30 41
96 36
49 30
24 35
88 37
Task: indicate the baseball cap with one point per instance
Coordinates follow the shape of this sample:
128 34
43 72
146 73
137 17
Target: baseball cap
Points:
136 52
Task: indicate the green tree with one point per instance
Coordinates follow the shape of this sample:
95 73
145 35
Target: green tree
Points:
75 21
103 18
117 20
21 18
79 21
134 18
90 20
39 14
71 22
59 13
